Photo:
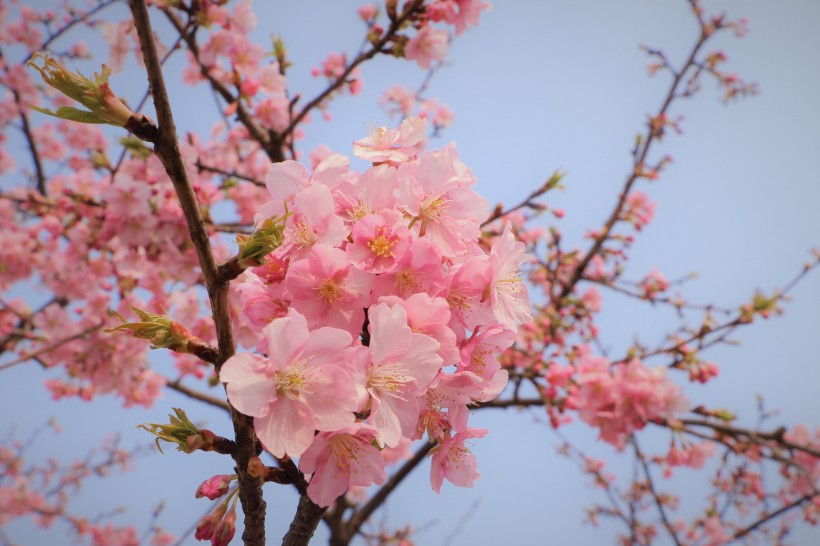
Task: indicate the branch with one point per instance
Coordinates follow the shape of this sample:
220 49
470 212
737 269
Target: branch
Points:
196 395
231 174
73 21
166 147
26 128
273 151
639 161
528 201
651 483
59 343
782 510
392 30
754 436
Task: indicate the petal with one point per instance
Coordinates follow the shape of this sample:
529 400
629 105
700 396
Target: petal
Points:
249 389
288 429
287 337
328 483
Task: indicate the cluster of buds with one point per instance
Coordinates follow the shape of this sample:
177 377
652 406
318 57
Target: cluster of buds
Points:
220 525
760 305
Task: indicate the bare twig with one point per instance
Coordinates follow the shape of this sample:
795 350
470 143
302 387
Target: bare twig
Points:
658 503
232 174
782 510
39 173
197 395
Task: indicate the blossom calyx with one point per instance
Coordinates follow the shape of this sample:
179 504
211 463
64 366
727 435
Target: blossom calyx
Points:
266 238
95 94
182 432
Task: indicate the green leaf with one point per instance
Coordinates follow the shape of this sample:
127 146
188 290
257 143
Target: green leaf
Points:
72 114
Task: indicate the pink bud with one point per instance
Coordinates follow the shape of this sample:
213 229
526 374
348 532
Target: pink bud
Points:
214 487
226 529
207 525
367 12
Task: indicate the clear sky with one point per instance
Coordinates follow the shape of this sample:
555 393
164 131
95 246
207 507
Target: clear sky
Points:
540 86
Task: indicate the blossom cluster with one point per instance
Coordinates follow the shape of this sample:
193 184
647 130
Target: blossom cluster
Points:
380 316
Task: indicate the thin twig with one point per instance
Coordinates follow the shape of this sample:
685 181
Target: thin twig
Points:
785 508
197 395
658 503
378 47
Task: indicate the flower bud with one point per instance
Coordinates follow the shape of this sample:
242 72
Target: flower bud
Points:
103 106
160 331
226 529
256 468
207 525
215 486
182 432
266 238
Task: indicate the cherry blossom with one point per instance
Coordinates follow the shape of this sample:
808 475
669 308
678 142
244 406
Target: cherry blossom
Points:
297 389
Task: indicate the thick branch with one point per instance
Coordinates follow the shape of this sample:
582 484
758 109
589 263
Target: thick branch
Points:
307 518
166 147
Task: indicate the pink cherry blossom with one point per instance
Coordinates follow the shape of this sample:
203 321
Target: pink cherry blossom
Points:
428 45
341 459
435 192
419 270
328 290
403 364
508 293
371 193
479 354
378 242
428 315
385 145
452 460
467 287
313 221
297 389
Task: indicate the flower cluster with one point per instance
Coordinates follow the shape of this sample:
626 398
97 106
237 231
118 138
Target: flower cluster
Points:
380 316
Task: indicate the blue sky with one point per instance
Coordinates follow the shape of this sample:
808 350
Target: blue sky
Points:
540 86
